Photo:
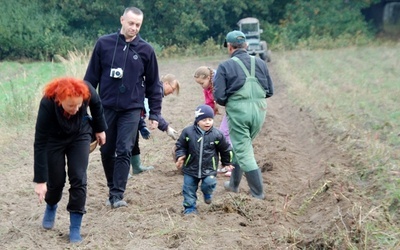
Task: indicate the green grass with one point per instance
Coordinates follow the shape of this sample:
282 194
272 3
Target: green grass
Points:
20 88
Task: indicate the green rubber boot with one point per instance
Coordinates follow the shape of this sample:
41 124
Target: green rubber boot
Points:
137 167
255 182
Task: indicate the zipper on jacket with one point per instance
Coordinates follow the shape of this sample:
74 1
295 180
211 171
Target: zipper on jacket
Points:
201 155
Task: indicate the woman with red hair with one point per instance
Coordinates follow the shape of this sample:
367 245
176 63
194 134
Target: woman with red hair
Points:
62 137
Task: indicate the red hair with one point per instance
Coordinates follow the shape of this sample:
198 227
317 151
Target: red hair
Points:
62 88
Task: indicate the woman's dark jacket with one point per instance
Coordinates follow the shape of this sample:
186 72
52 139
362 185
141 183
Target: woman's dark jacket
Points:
52 125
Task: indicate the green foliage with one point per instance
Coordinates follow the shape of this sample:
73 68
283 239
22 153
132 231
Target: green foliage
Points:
208 48
315 20
40 29
20 89
27 32
181 22
85 15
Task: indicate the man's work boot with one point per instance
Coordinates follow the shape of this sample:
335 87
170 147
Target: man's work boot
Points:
255 182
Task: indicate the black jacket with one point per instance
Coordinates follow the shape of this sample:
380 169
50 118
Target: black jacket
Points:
140 78
52 126
202 151
230 77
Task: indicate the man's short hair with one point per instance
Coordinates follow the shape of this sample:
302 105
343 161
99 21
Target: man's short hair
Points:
134 10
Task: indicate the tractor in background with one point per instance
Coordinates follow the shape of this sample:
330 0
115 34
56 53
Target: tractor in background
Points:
250 27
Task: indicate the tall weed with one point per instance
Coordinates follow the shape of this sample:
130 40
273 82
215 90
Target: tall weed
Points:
20 86
209 48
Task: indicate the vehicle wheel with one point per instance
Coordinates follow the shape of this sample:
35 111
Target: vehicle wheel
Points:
266 56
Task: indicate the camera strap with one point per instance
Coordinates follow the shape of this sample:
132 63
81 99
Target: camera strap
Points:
126 51
115 50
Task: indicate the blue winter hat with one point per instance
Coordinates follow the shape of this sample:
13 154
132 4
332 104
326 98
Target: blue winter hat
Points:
203 111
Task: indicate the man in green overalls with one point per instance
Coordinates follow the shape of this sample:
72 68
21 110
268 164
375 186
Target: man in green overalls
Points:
242 85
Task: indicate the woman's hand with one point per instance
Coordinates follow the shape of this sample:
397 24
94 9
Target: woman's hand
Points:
101 138
41 190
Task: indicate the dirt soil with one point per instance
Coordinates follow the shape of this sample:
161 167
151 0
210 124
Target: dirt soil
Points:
310 202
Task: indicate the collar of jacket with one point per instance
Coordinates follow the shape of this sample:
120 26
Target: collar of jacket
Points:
134 42
238 52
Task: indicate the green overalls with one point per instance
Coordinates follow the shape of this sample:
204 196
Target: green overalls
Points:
246 110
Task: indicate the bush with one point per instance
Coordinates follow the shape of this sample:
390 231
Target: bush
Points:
27 32
208 48
314 23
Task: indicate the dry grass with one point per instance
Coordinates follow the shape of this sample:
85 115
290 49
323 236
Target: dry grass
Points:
354 99
75 63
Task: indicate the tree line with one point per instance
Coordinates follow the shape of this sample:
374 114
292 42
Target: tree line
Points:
38 29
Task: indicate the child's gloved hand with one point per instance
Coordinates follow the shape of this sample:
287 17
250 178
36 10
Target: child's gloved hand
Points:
172 133
145 132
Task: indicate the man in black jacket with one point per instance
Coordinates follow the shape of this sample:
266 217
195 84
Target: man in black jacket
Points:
244 96
124 68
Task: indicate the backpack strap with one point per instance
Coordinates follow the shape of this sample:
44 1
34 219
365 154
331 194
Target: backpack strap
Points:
252 69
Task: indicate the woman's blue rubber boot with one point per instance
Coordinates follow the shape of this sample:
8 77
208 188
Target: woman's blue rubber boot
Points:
49 216
75 227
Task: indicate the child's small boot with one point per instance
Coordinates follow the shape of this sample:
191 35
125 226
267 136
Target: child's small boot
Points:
190 210
49 216
75 227
208 198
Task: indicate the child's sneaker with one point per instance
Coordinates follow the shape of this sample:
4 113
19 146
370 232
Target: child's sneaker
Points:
190 210
119 203
208 198
108 202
